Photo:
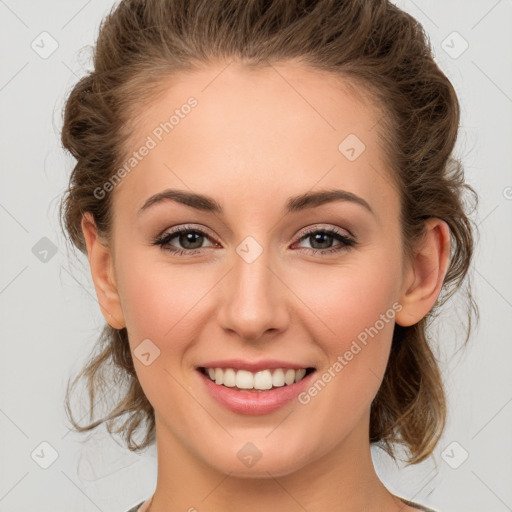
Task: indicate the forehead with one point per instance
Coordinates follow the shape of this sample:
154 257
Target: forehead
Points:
266 132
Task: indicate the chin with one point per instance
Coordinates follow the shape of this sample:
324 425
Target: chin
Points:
274 466
260 458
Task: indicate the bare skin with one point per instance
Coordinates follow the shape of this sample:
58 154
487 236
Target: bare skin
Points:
251 142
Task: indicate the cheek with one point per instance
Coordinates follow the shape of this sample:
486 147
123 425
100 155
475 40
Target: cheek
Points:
347 300
158 297
159 301
355 310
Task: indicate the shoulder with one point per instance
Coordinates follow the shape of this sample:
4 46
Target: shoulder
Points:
415 506
135 508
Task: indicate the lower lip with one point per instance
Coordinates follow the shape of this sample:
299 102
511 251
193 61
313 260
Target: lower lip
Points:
254 402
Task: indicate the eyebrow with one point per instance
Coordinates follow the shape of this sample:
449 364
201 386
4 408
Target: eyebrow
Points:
293 204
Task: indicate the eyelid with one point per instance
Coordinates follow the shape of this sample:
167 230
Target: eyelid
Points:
313 228
176 230
319 227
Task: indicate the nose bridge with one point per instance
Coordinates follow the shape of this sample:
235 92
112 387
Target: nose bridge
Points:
254 300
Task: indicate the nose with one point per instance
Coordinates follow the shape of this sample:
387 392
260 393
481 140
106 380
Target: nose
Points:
254 303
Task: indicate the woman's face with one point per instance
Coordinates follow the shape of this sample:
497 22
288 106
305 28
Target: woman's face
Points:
262 281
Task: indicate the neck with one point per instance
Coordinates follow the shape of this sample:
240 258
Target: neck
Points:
343 479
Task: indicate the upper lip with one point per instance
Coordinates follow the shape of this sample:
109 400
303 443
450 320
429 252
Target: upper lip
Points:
254 366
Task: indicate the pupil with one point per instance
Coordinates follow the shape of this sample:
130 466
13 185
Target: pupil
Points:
187 238
317 239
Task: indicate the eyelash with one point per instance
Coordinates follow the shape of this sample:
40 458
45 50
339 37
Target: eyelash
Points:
347 242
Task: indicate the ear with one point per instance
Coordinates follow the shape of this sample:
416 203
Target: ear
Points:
425 273
102 270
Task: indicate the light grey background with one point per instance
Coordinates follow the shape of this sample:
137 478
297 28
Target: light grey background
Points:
50 317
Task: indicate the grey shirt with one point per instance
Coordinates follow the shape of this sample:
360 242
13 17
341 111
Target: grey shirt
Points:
407 502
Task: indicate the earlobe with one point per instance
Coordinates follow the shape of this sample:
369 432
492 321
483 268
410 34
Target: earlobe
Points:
102 271
426 273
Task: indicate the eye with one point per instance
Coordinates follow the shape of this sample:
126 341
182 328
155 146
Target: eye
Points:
190 238
324 237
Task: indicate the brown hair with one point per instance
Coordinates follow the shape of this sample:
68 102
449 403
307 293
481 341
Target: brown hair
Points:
370 43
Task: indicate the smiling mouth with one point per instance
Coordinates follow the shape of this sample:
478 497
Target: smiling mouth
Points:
264 380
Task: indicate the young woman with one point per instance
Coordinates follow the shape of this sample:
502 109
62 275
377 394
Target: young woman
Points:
271 212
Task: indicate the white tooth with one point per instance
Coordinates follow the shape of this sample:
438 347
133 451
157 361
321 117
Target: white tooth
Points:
278 378
229 378
299 374
263 380
244 379
289 376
